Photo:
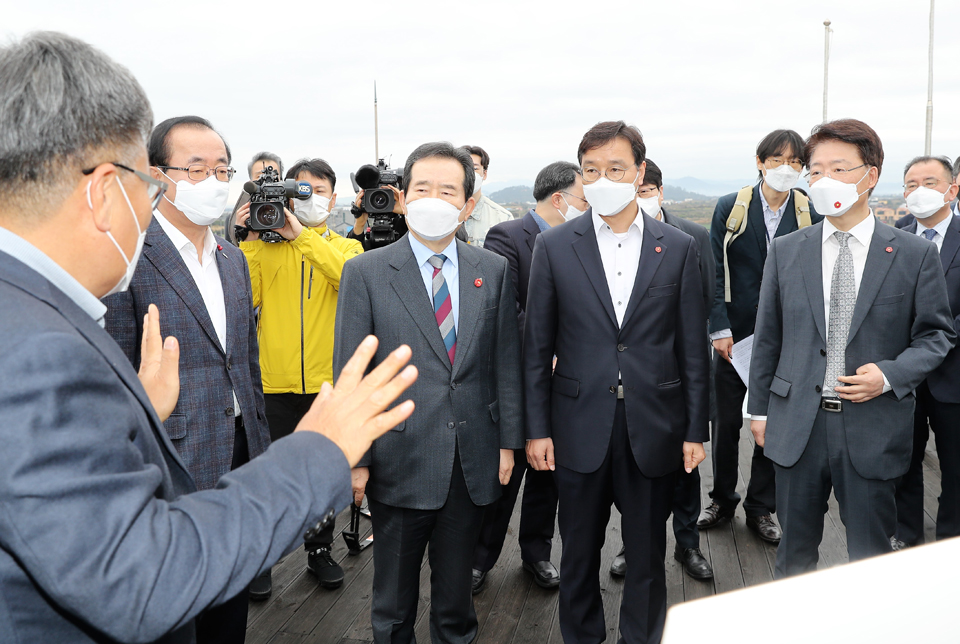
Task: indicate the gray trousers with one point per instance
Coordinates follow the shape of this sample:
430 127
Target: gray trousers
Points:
867 507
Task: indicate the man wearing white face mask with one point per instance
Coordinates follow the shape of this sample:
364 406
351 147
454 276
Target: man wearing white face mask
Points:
487 213
832 402
295 285
201 282
431 478
929 186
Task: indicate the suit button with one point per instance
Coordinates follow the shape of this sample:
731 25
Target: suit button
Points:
613 390
229 362
451 425
453 386
817 388
620 347
228 411
823 352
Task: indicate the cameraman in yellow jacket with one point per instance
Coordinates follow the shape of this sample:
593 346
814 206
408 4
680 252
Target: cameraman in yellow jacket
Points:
295 284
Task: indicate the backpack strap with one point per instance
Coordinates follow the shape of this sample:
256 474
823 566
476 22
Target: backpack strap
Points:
736 224
801 207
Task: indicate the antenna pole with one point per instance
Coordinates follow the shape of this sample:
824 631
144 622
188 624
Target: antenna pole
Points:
826 64
929 133
376 126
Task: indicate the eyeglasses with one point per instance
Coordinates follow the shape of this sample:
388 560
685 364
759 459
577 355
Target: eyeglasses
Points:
648 191
930 183
199 171
838 172
776 162
613 173
155 189
564 192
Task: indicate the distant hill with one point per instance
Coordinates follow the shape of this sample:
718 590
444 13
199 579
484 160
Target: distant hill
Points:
513 194
676 193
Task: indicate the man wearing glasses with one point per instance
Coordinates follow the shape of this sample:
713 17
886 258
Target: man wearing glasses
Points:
203 286
619 302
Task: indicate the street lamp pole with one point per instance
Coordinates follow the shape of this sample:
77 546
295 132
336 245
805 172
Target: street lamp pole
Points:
826 63
929 133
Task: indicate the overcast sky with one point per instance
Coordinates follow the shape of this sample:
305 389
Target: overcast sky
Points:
703 80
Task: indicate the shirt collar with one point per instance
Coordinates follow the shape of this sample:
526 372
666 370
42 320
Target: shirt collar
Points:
862 232
766 206
180 240
599 223
19 248
541 222
422 253
940 227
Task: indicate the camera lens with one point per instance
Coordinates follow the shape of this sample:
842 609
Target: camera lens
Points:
379 199
269 216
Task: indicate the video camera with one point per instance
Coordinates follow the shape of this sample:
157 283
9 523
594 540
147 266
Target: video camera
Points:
379 202
268 198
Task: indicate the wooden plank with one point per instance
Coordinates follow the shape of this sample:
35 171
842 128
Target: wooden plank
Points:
347 606
755 566
539 614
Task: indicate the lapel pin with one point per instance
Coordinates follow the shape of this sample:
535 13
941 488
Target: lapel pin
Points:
658 249
889 249
478 282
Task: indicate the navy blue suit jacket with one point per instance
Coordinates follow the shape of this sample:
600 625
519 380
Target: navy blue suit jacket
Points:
514 240
746 256
658 352
202 427
708 266
102 537
944 381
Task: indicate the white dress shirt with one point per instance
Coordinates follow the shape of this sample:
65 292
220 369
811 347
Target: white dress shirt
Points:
941 230
206 276
771 218
620 254
450 271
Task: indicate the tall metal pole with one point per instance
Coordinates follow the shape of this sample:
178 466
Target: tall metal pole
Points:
376 126
929 134
826 64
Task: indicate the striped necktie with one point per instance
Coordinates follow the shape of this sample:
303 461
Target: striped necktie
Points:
443 306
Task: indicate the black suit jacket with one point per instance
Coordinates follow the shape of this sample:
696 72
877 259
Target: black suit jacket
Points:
708 265
746 256
514 240
658 353
944 381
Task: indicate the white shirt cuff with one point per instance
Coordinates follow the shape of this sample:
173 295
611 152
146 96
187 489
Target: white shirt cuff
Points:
717 335
755 417
886 383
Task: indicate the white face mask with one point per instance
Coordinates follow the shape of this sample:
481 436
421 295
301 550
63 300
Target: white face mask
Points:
782 178
833 198
124 282
650 205
607 198
477 182
202 203
312 212
432 218
572 213
924 202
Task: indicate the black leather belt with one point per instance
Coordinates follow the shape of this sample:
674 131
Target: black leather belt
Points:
834 405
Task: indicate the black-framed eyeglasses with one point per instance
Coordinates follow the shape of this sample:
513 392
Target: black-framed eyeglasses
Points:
199 171
155 189
564 192
614 173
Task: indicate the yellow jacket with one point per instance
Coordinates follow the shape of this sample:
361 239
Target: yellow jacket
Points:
295 285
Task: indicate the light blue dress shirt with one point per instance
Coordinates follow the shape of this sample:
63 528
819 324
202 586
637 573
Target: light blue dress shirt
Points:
19 248
450 270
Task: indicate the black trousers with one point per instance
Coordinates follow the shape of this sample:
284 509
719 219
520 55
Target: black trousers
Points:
644 505
538 513
761 489
686 509
867 506
284 412
944 418
227 623
402 535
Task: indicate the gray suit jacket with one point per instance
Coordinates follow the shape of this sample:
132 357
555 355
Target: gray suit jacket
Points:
102 537
475 405
901 322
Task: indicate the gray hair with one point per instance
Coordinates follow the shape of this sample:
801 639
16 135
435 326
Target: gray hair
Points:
556 177
943 161
444 150
64 106
265 156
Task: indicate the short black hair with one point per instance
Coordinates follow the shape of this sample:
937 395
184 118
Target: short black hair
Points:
602 133
556 177
956 167
444 150
480 152
317 167
779 142
944 161
265 156
852 131
653 175
158 148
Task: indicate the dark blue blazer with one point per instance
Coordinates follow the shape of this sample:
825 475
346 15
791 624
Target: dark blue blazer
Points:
944 381
514 240
905 222
708 265
658 352
746 256
202 427
102 537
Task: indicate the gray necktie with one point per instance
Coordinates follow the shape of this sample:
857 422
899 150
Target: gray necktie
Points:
843 298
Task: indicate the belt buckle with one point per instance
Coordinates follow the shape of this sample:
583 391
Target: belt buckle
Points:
834 405
619 392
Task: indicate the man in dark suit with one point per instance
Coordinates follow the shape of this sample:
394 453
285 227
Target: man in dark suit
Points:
431 478
143 553
773 212
929 187
558 190
619 303
832 403
686 497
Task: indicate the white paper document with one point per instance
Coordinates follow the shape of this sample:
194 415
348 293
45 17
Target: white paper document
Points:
742 351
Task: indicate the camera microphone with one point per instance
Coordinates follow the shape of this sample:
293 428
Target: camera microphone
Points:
251 188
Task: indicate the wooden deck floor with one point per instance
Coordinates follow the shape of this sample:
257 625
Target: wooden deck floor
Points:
511 608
